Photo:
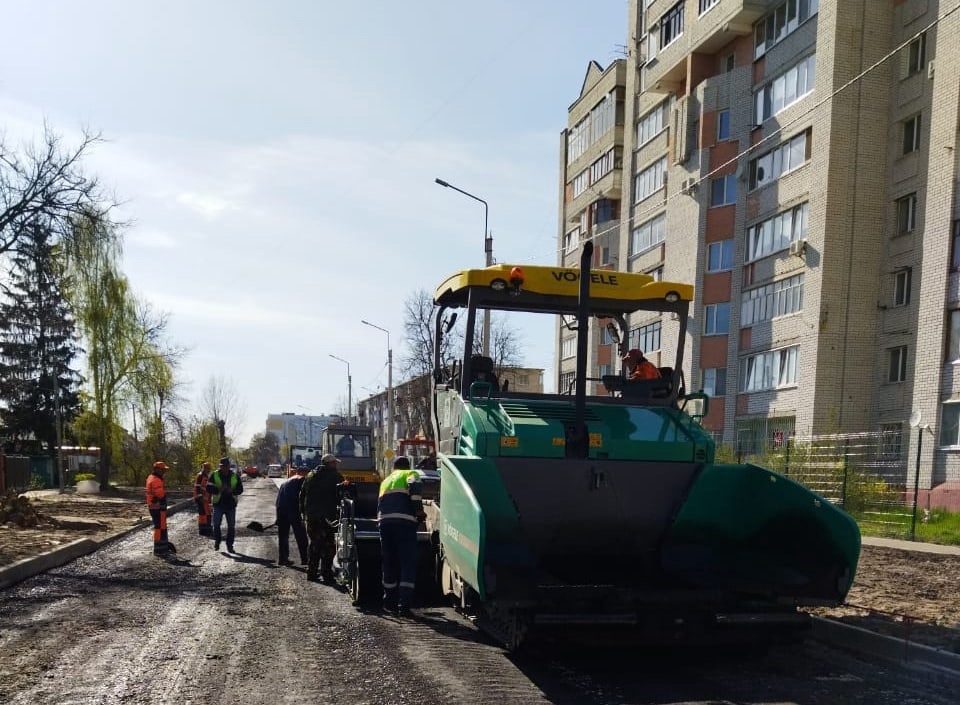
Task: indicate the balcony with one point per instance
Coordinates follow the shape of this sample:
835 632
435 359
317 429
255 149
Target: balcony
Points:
667 71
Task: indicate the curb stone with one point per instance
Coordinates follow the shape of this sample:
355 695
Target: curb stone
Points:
938 665
28 567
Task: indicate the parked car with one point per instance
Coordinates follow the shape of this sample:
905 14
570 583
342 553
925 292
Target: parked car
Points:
252 471
274 471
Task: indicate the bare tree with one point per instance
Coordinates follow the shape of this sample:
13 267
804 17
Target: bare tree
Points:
45 183
416 364
222 404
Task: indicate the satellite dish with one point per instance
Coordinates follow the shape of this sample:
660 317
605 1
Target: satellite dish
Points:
915 418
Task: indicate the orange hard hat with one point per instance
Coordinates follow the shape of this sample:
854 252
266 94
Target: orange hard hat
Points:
160 465
633 354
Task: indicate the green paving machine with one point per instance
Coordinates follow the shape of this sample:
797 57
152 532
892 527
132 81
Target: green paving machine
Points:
574 509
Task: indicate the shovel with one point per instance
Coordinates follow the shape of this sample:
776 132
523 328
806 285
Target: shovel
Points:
257 526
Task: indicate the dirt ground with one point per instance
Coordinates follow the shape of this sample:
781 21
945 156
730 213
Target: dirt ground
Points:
908 594
70 517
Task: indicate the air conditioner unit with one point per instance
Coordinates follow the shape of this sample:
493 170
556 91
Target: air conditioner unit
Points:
798 248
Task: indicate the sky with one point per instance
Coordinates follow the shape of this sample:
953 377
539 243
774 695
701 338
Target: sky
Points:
275 164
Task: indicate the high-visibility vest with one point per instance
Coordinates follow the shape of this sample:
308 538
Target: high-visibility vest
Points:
399 493
156 492
216 479
200 486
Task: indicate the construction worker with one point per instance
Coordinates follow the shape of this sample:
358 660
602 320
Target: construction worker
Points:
223 487
202 500
397 509
639 367
288 517
319 504
157 504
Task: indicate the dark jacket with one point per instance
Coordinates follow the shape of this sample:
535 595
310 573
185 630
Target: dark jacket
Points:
288 499
318 495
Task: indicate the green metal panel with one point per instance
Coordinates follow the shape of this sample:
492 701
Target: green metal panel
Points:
755 527
476 511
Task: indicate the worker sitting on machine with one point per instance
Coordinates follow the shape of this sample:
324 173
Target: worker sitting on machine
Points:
639 367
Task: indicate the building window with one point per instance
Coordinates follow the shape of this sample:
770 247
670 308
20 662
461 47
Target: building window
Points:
906 214
917 55
568 348
657 273
714 381
565 383
791 155
782 20
653 123
770 370
953 348
571 240
723 125
603 166
911 134
648 234
594 126
785 90
671 24
723 190
730 63
901 287
891 441
897 368
764 303
650 180
580 182
646 338
716 319
605 210
950 425
720 256
776 233
707 4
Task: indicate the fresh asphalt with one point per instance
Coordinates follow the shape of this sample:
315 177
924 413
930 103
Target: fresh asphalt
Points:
927 661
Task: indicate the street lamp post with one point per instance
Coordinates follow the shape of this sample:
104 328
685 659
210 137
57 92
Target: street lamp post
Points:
349 388
488 250
389 383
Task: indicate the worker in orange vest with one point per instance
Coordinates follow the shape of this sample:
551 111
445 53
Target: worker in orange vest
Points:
639 367
157 504
202 500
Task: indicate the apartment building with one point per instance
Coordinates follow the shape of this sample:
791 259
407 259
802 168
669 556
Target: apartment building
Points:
796 161
591 186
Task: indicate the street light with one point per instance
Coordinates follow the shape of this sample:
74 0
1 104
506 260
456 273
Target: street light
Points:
349 388
488 250
389 383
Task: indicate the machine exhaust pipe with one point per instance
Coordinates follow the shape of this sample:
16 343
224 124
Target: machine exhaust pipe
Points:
577 441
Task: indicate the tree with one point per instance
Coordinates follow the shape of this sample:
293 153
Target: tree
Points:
416 364
44 185
38 343
222 404
264 449
121 332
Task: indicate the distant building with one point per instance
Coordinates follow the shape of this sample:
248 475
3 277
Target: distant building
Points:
297 429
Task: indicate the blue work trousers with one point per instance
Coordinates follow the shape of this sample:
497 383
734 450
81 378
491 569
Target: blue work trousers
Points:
219 511
398 548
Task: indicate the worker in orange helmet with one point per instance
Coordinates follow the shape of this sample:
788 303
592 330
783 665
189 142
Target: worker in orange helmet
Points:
202 500
157 504
639 367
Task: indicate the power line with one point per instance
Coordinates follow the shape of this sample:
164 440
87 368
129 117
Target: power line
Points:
641 215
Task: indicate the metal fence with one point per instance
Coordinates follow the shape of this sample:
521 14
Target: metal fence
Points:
865 473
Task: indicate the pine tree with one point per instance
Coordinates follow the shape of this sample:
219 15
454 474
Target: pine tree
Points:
38 343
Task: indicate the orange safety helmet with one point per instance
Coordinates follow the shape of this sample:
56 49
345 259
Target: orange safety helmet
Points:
160 465
633 354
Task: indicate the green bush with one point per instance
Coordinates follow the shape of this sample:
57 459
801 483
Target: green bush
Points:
84 476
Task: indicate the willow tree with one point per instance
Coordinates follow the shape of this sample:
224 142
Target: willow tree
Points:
122 334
